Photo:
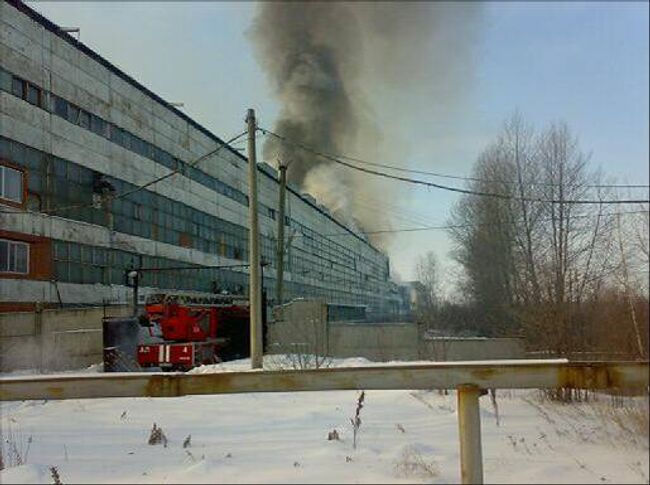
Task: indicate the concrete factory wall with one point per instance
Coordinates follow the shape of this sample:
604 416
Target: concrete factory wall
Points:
374 341
130 136
299 327
302 327
53 339
72 338
473 348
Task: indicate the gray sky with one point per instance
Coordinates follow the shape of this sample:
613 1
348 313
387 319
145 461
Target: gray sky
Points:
585 63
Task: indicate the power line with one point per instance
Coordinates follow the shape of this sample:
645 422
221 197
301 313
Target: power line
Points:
179 268
478 179
446 187
394 211
179 169
463 226
140 187
465 177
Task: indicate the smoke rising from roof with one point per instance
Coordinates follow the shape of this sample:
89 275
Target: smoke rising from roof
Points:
327 61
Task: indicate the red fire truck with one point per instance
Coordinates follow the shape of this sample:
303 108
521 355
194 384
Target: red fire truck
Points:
186 331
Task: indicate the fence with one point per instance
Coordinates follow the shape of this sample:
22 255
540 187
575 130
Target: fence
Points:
468 379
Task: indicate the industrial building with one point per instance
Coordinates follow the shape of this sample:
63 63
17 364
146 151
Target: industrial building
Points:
75 130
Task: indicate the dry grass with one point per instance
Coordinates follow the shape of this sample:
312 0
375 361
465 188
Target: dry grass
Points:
617 419
629 415
356 421
56 478
14 448
157 436
412 464
296 357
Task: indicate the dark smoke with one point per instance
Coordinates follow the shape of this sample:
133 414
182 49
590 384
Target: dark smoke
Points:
311 72
325 60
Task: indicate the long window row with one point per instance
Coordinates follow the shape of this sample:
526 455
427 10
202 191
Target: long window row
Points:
55 183
73 191
331 251
82 263
63 108
67 110
86 264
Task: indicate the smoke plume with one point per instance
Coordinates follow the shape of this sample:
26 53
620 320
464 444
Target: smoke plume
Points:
329 63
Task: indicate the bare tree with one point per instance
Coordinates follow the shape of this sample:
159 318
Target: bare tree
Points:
627 290
427 271
486 236
533 258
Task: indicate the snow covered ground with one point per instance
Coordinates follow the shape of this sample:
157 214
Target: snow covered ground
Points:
405 437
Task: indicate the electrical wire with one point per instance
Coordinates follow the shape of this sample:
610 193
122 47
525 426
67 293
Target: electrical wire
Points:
464 226
395 213
478 179
179 268
468 178
53 211
446 187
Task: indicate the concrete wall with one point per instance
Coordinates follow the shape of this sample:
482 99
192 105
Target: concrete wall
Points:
473 348
53 339
375 341
302 327
72 338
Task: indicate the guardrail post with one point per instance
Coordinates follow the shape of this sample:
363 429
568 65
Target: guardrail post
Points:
469 433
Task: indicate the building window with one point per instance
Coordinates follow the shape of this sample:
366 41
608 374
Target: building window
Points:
18 87
73 114
33 95
60 107
24 90
14 257
84 119
99 126
11 184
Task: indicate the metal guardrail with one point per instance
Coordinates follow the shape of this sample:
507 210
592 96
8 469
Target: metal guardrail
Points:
468 379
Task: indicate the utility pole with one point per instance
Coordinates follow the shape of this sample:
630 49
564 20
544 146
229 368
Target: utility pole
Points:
254 296
134 278
282 166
